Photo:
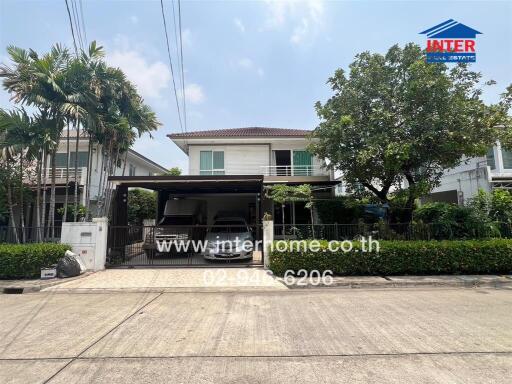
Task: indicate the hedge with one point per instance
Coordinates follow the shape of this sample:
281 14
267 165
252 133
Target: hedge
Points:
402 258
18 261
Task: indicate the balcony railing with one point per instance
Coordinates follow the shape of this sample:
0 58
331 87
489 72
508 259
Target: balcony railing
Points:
61 173
294 170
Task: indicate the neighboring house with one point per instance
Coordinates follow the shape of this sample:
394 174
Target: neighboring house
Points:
229 169
463 182
136 165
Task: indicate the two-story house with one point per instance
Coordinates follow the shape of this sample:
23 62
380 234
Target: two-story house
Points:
229 168
136 165
460 184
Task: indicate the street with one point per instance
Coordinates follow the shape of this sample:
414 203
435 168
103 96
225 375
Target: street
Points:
259 336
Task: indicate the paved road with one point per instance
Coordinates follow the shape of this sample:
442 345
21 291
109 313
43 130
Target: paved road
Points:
298 336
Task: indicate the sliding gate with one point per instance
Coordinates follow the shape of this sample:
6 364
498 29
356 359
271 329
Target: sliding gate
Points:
143 246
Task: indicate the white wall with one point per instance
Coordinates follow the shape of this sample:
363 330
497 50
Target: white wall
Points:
247 159
238 159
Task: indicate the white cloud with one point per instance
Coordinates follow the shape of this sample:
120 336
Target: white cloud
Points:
239 24
305 18
194 93
151 78
247 64
186 37
134 19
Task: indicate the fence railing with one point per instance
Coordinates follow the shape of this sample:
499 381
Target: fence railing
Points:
384 231
139 245
15 235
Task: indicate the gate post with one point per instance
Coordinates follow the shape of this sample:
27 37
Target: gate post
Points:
100 258
268 239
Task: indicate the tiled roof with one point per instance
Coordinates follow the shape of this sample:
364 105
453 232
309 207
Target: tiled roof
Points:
243 132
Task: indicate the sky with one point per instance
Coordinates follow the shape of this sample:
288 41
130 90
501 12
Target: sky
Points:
250 63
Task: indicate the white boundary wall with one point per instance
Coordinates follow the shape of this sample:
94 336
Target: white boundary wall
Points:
89 240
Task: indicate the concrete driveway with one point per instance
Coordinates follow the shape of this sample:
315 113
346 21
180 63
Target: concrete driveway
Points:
279 336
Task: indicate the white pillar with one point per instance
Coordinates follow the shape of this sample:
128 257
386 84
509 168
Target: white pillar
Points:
268 239
100 251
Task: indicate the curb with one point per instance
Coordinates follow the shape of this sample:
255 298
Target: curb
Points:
410 282
20 288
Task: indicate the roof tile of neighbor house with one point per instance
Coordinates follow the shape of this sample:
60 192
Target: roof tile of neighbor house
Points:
243 132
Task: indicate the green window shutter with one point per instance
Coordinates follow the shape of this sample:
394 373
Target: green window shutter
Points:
302 162
205 163
218 160
60 160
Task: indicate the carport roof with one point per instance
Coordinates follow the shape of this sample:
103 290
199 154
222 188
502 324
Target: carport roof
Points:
210 184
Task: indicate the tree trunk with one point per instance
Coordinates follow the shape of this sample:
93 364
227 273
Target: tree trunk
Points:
75 213
11 211
51 213
102 171
38 198
88 181
22 213
65 217
282 215
411 197
312 221
45 176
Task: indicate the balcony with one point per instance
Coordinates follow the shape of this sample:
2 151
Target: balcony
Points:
293 170
61 173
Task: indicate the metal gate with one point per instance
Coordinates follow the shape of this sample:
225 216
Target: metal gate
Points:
182 245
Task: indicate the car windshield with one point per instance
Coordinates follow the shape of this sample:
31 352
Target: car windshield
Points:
177 220
229 226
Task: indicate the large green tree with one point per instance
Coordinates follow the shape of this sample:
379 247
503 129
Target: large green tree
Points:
395 118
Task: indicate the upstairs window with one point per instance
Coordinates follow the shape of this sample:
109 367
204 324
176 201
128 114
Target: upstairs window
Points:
302 163
61 159
131 170
490 158
507 159
211 163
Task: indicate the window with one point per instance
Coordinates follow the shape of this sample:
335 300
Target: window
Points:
302 163
211 163
507 159
61 159
131 170
490 158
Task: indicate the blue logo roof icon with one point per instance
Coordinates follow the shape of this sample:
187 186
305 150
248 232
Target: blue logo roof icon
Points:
451 29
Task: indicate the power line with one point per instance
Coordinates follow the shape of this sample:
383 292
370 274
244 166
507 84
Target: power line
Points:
182 71
170 64
72 29
83 22
77 24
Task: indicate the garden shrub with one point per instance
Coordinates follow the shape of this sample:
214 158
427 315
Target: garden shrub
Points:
18 261
402 258
451 221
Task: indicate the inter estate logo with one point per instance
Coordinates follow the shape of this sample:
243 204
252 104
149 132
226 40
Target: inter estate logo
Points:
451 42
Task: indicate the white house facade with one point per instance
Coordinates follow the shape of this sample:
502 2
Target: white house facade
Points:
462 183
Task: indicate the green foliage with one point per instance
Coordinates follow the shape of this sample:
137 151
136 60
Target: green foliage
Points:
81 212
174 171
497 205
403 258
20 261
450 221
394 117
141 205
341 210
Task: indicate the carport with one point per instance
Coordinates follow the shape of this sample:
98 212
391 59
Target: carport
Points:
221 194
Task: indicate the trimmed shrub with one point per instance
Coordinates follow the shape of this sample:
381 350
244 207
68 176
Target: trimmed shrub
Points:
401 258
20 261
